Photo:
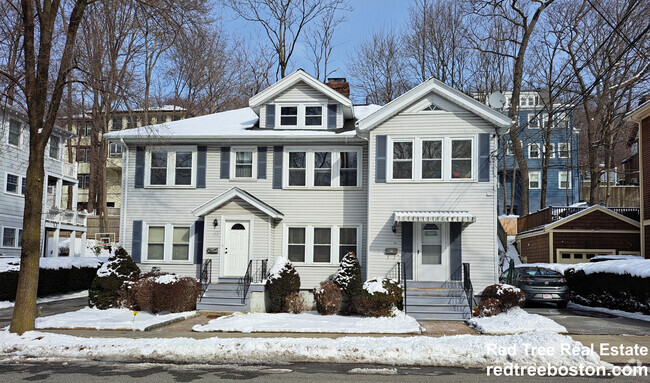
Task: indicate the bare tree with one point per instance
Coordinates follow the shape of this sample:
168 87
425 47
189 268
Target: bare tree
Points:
379 67
283 21
319 40
11 53
40 21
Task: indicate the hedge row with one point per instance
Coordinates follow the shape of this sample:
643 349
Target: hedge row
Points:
614 291
50 282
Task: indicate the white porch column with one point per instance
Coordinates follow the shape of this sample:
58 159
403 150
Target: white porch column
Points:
75 196
58 192
73 242
55 242
83 244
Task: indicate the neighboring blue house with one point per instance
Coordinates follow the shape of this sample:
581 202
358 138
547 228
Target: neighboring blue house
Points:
563 180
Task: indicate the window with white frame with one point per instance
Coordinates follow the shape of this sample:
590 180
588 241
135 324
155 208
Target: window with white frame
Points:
461 158
402 160
181 244
242 161
314 115
564 180
533 121
320 244
431 159
23 186
115 150
171 167
533 150
12 237
156 243
322 167
15 132
289 115
534 180
12 183
563 150
55 143
551 149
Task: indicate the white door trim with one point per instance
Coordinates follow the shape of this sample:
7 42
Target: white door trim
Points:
417 250
222 240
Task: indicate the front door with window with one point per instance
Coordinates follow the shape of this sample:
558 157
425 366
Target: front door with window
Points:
431 253
235 248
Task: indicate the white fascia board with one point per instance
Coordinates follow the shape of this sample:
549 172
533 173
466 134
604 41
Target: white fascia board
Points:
221 199
638 114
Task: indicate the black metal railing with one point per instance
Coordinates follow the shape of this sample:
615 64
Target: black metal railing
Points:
206 276
469 289
395 272
255 273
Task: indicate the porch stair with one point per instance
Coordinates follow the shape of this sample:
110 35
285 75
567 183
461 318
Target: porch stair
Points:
225 295
436 301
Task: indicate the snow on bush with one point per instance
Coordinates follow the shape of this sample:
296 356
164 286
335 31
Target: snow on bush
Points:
283 280
328 298
375 285
500 298
348 278
103 292
155 292
514 321
381 297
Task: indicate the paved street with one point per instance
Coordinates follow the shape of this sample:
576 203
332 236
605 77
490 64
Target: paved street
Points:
299 372
48 308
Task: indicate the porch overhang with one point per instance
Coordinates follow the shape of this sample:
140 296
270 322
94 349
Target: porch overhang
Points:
225 197
434 216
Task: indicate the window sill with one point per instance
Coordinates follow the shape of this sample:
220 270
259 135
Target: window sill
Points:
14 194
19 147
435 181
247 179
170 187
323 188
318 264
166 261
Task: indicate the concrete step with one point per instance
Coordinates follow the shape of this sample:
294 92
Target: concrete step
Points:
224 287
448 284
434 292
221 307
429 300
221 300
441 315
230 280
434 308
224 294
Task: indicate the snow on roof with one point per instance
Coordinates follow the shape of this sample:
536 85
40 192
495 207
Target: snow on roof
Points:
362 111
633 267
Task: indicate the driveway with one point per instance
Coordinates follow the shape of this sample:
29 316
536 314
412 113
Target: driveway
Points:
591 323
47 308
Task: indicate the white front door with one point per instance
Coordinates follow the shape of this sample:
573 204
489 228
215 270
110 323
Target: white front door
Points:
235 248
432 261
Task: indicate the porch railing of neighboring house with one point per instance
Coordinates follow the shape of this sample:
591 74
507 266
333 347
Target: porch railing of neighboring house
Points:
555 213
469 289
255 273
206 276
63 216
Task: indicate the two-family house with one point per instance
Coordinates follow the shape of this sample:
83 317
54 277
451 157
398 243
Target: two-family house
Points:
563 178
410 187
58 221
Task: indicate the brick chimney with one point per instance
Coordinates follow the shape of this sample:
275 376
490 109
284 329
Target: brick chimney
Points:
339 84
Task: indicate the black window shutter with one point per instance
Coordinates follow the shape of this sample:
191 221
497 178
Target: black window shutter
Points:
484 157
261 162
455 250
225 162
198 242
380 160
139 166
270 115
277 166
331 116
407 248
136 241
201 153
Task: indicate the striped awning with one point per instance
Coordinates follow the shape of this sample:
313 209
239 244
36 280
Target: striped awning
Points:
434 216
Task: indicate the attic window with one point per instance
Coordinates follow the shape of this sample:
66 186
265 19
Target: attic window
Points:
289 115
314 115
431 108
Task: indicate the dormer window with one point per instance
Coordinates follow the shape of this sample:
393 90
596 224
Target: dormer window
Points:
314 115
288 115
301 116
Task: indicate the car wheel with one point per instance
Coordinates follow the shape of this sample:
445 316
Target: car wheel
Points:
562 305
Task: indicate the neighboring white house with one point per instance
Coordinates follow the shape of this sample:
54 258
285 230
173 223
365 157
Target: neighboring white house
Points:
304 173
57 221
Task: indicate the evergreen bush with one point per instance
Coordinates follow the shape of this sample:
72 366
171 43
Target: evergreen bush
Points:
348 279
103 292
380 298
160 292
328 298
283 279
505 296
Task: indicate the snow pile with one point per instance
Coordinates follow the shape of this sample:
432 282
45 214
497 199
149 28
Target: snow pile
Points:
615 257
461 350
620 313
111 319
51 298
374 371
13 264
279 265
167 278
637 267
375 285
312 323
514 321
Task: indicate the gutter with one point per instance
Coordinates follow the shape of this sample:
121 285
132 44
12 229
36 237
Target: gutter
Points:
125 183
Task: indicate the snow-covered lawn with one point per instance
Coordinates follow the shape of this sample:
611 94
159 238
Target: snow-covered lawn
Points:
620 313
51 298
313 323
460 350
111 319
514 321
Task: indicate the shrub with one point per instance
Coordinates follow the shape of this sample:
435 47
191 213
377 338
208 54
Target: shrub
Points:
489 307
380 298
295 303
160 292
508 296
328 298
348 279
283 279
110 277
615 291
50 281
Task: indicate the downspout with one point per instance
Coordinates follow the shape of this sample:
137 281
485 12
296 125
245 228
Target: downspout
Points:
125 183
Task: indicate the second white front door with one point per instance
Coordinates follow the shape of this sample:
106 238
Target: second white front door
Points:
235 248
431 252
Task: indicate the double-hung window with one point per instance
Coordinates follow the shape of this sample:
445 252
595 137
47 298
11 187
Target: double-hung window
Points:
296 244
322 169
169 243
431 159
243 163
156 243
349 169
403 160
564 180
297 168
158 168
461 158
115 149
533 121
289 115
534 180
347 241
563 150
183 172
320 244
83 154
171 166
55 142
314 115
11 237
533 150
551 150
116 123
23 186
181 244
15 132
84 181
12 183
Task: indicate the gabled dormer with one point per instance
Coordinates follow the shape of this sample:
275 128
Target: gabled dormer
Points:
300 101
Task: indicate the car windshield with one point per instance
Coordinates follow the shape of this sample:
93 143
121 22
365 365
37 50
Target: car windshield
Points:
539 271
